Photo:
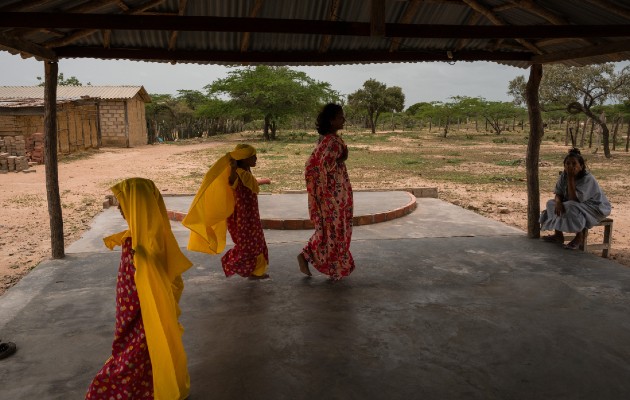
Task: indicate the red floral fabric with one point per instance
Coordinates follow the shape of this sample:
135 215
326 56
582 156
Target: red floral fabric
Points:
330 205
127 374
247 234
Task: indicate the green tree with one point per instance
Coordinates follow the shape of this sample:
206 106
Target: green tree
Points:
272 93
160 116
72 81
579 90
496 112
376 98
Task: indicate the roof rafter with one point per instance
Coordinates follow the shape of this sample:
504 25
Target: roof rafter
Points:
27 47
253 13
410 11
173 39
332 16
480 8
286 57
131 21
83 33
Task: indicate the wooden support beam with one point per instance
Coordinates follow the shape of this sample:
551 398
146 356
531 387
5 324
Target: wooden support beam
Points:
172 42
51 71
27 47
533 149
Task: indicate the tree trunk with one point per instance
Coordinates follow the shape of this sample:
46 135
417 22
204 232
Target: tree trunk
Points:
605 133
590 135
273 130
628 137
586 121
50 159
533 150
266 128
614 135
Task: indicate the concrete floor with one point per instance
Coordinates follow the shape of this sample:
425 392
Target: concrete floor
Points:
443 304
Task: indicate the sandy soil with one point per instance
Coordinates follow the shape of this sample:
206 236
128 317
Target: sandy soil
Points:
84 183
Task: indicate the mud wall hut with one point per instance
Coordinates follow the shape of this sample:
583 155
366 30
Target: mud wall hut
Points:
87 116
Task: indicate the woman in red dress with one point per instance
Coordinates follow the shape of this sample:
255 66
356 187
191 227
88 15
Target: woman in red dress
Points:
330 200
148 359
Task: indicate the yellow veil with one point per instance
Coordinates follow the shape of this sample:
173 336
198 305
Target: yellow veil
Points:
159 264
214 202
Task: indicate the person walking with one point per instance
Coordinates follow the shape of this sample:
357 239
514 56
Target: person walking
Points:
330 200
148 359
228 200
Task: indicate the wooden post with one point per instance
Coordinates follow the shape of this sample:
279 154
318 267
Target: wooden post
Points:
536 132
50 159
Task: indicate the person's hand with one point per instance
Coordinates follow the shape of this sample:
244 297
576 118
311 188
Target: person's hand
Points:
559 209
344 155
573 170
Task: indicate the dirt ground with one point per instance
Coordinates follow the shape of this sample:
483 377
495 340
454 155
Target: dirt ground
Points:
84 183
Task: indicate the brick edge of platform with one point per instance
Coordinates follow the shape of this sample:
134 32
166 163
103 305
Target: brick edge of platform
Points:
301 224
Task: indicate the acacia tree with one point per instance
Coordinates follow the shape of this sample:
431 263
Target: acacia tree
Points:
72 81
272 93
376 98
578 89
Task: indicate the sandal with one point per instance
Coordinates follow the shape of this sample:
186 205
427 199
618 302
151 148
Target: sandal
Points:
553 239
7 349
572 246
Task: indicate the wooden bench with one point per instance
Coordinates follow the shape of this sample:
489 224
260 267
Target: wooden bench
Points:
606 244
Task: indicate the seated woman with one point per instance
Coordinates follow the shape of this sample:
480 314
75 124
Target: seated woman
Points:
579 203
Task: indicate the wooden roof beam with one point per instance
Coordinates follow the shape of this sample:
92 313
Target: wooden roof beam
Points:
309 57
312 27
480 8
410 12
377 18
172 41
27 47
609 6
472 19
83 33
324 45
253 13
598 50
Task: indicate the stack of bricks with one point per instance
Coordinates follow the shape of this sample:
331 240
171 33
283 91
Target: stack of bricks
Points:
36 147
4 163
13 154
3 146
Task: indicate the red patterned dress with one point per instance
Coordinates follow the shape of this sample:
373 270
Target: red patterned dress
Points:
127 374
330 208
247 234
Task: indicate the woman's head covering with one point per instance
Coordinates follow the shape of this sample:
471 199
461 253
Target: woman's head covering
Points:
214 202
242 151
159 263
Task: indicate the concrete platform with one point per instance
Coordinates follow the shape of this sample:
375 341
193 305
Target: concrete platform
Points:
444 304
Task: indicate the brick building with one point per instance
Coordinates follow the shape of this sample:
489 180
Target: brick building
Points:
87 116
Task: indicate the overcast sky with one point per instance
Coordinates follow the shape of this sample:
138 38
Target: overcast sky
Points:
419 81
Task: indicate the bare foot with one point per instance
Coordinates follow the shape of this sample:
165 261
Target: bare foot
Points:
258 277
303 265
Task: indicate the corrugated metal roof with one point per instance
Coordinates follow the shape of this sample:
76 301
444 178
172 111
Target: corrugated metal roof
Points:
309 47
75 92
